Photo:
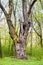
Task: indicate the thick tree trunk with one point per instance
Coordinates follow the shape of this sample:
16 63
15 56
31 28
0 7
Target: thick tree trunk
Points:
20 47
21 50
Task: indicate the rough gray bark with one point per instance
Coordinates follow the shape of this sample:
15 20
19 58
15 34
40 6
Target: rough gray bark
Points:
21 50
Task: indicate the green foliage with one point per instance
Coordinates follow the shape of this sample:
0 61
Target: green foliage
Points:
37 53
6 51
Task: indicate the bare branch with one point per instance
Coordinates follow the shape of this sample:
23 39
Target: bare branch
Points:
36 31
34 28
10 7
24 8
36 20
3 9
31 5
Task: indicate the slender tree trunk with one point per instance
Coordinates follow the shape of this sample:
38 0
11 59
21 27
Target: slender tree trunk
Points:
31 31
0 50
41 36
31 43
0 47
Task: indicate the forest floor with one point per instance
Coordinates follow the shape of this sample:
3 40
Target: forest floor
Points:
13 61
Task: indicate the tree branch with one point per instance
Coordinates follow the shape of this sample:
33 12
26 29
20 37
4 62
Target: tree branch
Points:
24 9
36 31
10 7
12 30
14 12
31 5
34 28
3 9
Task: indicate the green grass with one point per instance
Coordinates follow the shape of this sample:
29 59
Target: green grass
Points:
13 61
35 59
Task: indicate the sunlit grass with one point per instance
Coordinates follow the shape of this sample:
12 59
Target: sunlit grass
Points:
13 61
35 59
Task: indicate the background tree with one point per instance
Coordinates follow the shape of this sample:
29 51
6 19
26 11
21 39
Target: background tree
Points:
0 46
